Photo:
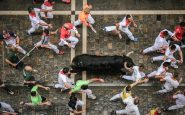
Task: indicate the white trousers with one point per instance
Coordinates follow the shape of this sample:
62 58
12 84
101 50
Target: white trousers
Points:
177 106
152 74
123 29
19 49
72 39
118 96
89 93
131 78
164 91
47 14
151 49
89 20
62 86
50 46
36 26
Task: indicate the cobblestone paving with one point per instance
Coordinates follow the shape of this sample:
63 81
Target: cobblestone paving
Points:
48 64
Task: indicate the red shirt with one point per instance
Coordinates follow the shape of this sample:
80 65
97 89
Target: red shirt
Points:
66 33
49 4
32 14
179 31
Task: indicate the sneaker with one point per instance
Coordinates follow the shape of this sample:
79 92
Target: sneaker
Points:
61 52
152 61
11 92
113 112
135 39
174 66
183 46
92 97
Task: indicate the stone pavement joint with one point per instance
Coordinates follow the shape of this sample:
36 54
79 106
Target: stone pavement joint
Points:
113 12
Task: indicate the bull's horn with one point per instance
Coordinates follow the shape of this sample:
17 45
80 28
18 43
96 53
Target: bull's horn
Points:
125 65
128 54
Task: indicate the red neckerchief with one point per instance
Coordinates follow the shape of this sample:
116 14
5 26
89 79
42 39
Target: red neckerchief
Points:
32 14
127 22
48 3
162 35
61 72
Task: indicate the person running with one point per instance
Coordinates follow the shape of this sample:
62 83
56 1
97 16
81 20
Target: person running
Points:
130 109
11 38
137 74
179 98
47 5
64 81
171 82
36 22
36 98
45 42
161 71
160 42
179 35
169 55
66 35
124 27
27 75
126 92
85 18
81 86
74 104
12 59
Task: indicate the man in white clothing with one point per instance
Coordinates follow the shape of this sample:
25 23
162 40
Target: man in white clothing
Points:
130 109
123 26
180 101
171 82
160 42
169 55
45 42
137 73
161 71
36 22
47 5
10 38
64 82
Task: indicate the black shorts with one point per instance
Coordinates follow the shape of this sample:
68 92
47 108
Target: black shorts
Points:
43 99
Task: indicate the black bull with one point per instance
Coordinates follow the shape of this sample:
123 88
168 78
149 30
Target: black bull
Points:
100 64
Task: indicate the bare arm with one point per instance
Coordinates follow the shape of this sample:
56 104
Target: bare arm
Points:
17 40
9 62
181 56
96 80
46 88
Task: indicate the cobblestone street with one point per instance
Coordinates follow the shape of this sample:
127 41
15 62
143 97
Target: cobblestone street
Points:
48 63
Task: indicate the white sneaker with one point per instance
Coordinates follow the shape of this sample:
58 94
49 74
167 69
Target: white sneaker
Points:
174 66
135 39
92 96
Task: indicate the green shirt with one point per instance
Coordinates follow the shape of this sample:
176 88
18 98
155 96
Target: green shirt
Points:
36 99
78 85
12 57
26 74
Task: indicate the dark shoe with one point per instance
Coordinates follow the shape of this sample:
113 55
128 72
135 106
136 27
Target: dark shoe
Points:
113 112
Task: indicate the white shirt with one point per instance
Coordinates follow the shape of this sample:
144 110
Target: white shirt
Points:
161 70
180 99
131 108
35 19
170 83
123 22
62 78
159 41
169 53
137 74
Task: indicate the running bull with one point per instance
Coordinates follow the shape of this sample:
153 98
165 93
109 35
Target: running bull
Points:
101 64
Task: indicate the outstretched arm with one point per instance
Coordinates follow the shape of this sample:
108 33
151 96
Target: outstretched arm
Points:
96 80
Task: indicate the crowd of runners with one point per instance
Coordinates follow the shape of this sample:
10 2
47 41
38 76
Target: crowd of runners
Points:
167 43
